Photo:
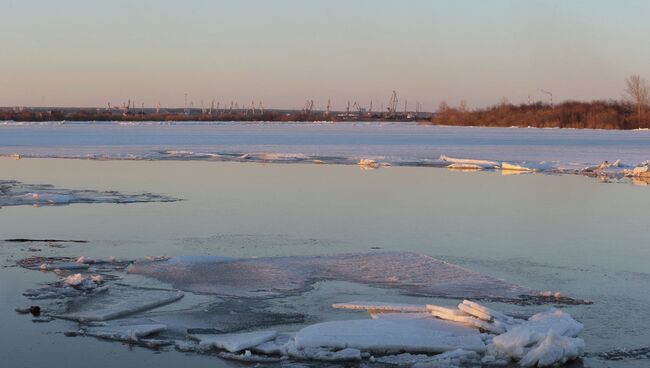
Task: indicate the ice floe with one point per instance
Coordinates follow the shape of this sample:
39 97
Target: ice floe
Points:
246 329
117 302
276 276
14 193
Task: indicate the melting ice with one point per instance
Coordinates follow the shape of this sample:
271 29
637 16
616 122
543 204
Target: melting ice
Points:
275 276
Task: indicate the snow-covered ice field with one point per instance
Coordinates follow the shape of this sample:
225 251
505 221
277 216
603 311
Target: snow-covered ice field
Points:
245 242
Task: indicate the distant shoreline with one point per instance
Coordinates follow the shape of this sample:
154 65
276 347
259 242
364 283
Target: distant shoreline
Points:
603 115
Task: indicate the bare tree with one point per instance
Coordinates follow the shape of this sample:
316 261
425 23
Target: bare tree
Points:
463 106
637 92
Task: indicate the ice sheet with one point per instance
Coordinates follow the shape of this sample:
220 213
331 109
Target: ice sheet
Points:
117 302
401 332
124 332
234 342
14 193
275 276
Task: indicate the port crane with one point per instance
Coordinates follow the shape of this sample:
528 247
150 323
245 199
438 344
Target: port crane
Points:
309 106
356 106
392 104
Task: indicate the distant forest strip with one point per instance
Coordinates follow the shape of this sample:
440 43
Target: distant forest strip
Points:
571 114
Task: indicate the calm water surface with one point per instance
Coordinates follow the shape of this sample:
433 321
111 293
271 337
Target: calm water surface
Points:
561 233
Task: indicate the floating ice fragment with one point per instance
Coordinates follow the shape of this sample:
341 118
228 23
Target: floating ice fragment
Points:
466 319
554 294
482 312
118 302
80 281
381 306
15 193
126 332
234 342
642 171
515 167
467 167
275 347
468 161
247 356
366 163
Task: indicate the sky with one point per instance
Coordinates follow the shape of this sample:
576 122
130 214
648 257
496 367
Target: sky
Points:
284 52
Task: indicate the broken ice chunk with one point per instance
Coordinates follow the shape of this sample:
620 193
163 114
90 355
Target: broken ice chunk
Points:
448 359
247 356
125 333
322 353
553 350
234 342
519 339
467 161
481 311
515 167
466 319
83 282
461 315
274 347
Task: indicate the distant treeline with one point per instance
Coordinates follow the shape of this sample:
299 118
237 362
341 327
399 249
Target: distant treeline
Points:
571 114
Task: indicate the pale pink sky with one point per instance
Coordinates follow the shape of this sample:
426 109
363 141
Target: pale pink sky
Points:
80 53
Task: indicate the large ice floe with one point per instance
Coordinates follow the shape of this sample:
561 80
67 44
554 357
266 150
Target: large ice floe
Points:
242 321
15 193
275 276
